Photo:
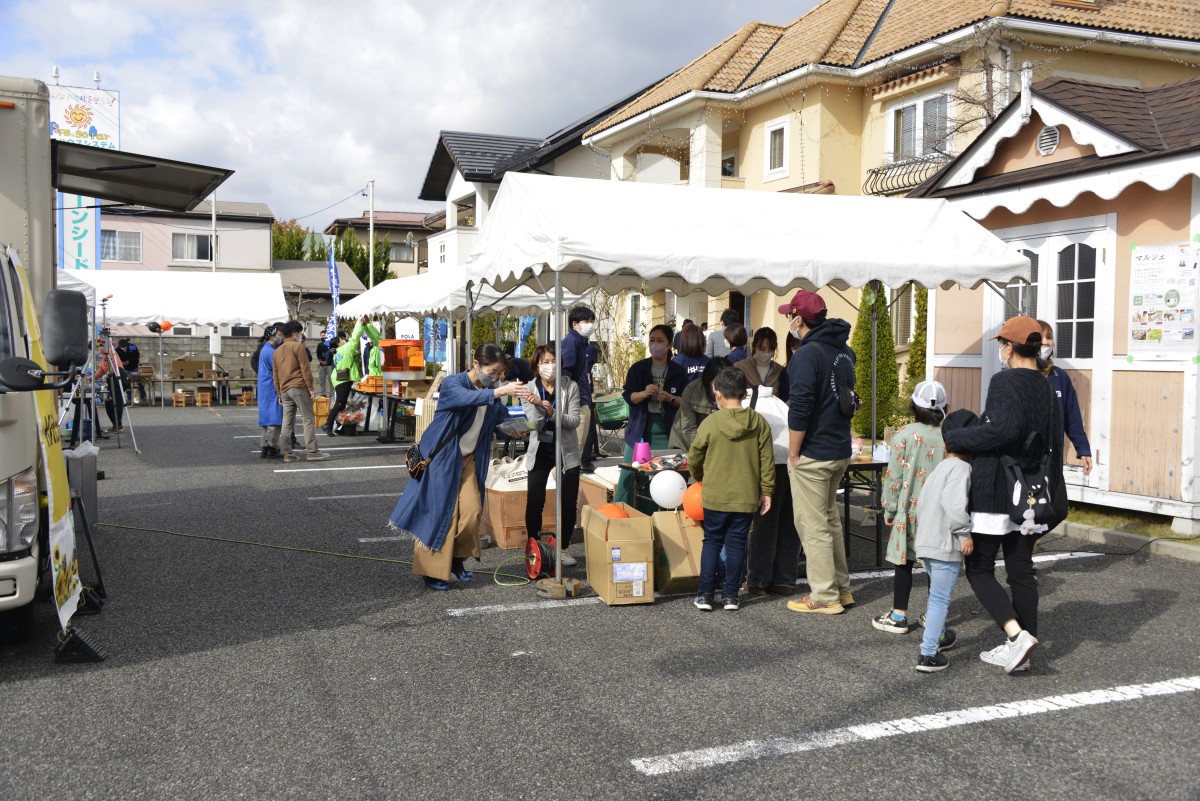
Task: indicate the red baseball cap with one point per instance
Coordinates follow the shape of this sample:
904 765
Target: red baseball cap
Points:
808 305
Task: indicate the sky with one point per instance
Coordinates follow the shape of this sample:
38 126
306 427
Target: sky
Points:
307 104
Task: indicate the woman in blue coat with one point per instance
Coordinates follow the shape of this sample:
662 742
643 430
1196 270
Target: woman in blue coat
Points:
652 390
270 410
442 508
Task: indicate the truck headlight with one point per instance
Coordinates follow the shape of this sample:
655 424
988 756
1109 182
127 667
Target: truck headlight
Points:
18 511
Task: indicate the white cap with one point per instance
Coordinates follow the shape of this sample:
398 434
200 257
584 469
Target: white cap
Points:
930 395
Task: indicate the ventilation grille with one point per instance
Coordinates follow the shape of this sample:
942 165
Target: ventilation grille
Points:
1047 141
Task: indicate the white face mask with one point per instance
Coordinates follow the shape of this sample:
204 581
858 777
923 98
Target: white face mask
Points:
586 329
1046 352
546 371
764 357
658 350
1003 361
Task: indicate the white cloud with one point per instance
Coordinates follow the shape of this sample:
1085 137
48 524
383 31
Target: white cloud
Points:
308 100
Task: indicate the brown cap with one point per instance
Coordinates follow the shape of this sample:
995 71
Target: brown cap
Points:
1020 330
804 303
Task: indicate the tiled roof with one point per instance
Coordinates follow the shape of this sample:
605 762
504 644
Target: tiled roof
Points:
721 69
1158 122
851 33
313 276
225 209
476 156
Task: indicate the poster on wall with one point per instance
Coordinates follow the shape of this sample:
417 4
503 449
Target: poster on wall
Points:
1162 298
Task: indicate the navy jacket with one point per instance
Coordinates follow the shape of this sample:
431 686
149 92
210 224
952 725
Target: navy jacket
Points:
1068 403
693 366
577 364
812 405
636 380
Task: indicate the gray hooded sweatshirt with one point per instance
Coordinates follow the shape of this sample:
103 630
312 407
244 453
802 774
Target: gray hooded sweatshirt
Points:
942 516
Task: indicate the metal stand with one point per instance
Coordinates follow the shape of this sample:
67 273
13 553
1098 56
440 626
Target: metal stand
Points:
115 387
77 647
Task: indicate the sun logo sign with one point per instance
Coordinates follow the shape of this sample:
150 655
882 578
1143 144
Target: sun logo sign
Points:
78 115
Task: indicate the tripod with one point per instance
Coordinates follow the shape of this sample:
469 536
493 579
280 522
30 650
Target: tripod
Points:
116 387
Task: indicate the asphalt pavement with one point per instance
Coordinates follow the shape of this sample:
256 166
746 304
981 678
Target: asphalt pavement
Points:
241 671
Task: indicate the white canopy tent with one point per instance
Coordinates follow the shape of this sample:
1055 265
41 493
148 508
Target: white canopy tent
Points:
442 292
145 296
624 235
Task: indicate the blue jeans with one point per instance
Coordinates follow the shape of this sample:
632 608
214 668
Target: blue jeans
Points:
942 576
728 531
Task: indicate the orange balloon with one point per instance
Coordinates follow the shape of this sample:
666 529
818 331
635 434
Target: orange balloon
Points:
693 507
612 511
166 325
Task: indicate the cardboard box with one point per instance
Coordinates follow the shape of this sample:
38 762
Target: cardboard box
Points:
417 389
620 556
504 516
678 541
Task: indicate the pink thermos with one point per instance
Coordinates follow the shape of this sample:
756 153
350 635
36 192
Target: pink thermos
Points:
641 452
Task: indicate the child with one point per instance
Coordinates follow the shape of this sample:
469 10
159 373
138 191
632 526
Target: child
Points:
736 443
916 449
943 534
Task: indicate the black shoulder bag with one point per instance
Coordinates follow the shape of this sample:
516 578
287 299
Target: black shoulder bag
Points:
1039 493
416 463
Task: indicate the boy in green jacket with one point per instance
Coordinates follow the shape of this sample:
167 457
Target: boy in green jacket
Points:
736 443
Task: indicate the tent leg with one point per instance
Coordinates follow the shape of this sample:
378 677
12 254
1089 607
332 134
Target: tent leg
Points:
874 368
561 395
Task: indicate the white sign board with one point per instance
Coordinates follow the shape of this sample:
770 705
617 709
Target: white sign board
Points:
78 233
86 116
1162 298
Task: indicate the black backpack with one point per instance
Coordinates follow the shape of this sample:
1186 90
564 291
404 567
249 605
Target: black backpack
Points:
847 399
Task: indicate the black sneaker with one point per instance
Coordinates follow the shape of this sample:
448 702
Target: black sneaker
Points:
947 641
731 604
703 602
892 625
932 664
587 467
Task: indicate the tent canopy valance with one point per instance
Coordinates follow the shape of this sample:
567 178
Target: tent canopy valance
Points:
626 235
442 291
146 296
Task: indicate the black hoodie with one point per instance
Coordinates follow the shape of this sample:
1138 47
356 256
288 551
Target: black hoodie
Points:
812 404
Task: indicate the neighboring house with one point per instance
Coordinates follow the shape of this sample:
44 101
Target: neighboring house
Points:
872 97
306 290
406 230
1089 180
138 238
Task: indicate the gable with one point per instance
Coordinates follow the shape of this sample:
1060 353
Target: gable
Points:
1021 151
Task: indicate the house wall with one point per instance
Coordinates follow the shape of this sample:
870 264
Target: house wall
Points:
1021 151
241 244
958 322
582 162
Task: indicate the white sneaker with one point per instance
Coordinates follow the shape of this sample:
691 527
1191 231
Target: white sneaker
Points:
568 560
1012 654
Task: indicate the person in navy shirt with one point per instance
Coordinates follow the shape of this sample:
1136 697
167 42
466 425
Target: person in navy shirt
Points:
577 362
1068 401
691 352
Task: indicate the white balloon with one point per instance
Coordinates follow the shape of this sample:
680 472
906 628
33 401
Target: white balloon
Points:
667 489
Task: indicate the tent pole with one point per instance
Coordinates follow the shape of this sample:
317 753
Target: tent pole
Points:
162 392
470 352
560 398
874 366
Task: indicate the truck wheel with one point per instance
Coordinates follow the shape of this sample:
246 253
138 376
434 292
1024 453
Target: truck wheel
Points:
15 624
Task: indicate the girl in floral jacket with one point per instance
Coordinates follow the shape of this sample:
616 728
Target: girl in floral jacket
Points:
916 450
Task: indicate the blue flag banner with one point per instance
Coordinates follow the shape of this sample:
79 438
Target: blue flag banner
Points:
335 291
435 340
527 321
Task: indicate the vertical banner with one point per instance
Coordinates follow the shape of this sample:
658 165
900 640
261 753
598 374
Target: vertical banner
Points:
335 293
435 340
524 329
64 566
78 233
1163 298
90 117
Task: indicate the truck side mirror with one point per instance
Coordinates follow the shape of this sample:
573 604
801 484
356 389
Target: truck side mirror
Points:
21 375
64 328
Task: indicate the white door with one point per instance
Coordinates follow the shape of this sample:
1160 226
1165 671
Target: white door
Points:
1072 288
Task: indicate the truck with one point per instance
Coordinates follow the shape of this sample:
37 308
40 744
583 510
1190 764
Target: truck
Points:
44 333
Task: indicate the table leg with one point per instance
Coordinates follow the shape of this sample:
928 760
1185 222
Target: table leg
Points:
388 434
877 480
367 416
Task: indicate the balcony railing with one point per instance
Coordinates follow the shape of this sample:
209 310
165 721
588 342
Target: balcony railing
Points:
901 176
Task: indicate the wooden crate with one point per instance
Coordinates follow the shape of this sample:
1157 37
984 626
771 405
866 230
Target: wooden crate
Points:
504 517
320 409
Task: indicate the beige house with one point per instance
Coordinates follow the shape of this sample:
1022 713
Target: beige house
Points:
1099 185
407 231
872 97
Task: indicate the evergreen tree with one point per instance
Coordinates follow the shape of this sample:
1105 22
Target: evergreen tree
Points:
887 377
917 354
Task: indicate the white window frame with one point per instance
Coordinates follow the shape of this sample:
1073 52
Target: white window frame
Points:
777 124
918 125
412 252
637 308
196 237
119 235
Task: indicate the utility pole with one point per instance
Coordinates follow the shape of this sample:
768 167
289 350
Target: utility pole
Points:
371 233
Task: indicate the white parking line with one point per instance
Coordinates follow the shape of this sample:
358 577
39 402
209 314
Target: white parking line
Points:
495 608
1045 557
783 746
326 469
353 448
860 576
351 497
382 539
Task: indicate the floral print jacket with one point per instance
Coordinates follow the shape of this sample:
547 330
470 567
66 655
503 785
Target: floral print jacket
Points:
916 450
